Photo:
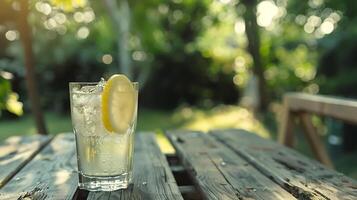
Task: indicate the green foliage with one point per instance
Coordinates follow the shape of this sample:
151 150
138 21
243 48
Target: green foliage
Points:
171 43
337 66
186 51
5 90
8 98
181 71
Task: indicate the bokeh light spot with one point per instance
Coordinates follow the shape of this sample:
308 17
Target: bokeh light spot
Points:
177 14
314 20
78 17
107 59
139 55
83 33
61 30
11 35
51 23
88 16
239 26
266 12
60 18
312 88
163 9
44 8
6 75
335 16
300 19
327 27
308 28
315 3
225 1
239 64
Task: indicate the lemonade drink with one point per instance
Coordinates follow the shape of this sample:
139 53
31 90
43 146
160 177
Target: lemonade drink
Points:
104 118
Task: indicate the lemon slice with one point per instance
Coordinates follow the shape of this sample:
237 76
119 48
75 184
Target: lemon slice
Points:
119 100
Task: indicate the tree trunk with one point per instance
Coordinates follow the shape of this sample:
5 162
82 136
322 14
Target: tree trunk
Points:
252 33
26 39
120 17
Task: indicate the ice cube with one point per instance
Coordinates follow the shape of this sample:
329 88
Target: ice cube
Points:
91 89
88 89
86 111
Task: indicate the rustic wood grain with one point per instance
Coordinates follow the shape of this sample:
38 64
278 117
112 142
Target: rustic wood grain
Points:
16 151
51 174
304 178
303 105
152 178
220 173
339 108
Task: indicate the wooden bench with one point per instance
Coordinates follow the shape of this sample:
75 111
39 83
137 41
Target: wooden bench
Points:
223 164
302 106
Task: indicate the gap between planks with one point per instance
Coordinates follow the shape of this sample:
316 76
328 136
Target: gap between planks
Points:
304 178
51 174
219 172
17 151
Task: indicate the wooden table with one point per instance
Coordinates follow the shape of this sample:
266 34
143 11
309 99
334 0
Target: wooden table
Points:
224 164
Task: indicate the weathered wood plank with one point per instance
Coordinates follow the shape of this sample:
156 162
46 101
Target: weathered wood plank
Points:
302 105
304 178
219 172
51 174
16 151
286 135
152 178
340 108
317 146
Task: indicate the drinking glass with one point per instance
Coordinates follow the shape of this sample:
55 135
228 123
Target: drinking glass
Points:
105 159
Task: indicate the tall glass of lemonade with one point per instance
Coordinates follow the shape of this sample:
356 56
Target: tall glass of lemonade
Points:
104 118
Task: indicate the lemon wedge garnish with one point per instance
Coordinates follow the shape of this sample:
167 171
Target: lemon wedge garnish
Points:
119 99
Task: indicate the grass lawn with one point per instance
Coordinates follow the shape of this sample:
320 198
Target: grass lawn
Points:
148 120
26 126
182 118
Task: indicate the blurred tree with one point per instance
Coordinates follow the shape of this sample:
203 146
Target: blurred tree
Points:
20 18
26 38
120 17
252 34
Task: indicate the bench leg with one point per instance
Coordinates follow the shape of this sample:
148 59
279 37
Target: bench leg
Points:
314 140
286 136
